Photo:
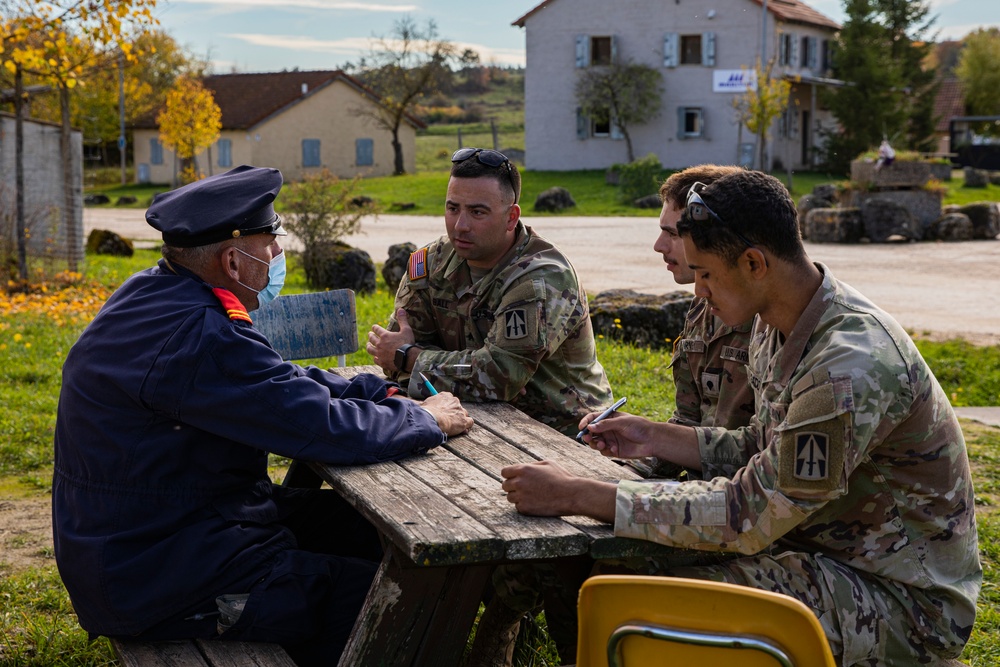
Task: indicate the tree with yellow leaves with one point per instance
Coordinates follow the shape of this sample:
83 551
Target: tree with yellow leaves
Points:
54 41
189 123
761 104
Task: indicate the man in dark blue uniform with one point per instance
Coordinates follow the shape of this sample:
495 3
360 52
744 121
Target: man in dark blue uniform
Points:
163 512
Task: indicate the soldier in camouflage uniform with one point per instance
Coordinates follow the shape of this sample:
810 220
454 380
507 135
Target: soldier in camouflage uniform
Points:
495 312
850 490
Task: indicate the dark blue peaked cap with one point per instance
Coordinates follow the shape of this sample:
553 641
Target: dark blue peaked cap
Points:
227 206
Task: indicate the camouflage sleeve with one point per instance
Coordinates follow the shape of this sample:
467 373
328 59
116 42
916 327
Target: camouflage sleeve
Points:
687 410
420 314
531 320
821 438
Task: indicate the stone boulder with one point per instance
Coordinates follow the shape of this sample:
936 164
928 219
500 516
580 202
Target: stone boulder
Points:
338 266
896 175
985 217
833 225
976 178
649 201
884 220
950 227
96 198
395 267
827 191
554 200
650 320
808 203
126 200
104 242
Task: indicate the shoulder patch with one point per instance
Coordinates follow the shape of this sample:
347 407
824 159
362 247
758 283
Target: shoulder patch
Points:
515 324
693 345
418 264
234 309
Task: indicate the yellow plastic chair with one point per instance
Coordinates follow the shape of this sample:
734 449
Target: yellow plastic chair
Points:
640 621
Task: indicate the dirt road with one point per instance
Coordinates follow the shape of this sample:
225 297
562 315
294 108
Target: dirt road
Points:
942 290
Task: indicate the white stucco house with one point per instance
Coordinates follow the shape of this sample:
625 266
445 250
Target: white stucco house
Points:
706 51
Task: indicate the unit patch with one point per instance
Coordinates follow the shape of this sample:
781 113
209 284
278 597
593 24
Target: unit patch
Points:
693 345
418 264
515 324
711 382
811 453
737 354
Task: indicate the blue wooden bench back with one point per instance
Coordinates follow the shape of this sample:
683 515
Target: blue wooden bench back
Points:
309 326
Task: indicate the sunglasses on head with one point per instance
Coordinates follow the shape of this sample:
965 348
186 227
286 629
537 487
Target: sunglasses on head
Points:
488 157
700 211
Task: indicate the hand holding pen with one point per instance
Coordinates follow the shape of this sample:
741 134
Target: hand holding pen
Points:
607 413
427 384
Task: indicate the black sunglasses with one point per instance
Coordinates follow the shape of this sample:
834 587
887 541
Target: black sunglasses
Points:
700 211
490 158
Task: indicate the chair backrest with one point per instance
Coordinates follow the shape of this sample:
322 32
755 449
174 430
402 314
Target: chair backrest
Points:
639 621
309 326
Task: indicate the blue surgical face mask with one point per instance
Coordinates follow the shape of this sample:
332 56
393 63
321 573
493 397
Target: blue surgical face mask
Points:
275 278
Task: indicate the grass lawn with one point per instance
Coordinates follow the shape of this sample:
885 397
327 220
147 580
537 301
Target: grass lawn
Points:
36 331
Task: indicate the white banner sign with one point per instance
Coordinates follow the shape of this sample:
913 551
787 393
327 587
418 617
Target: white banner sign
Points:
733 80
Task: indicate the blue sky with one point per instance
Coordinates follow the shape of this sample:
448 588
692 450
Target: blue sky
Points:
271 35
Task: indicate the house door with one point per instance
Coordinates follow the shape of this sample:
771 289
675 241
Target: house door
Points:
806 141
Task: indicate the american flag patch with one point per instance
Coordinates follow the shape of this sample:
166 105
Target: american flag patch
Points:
418 264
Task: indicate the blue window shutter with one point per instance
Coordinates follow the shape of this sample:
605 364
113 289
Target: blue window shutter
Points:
670 45
225 152
155 151
614 50
616 130
582 50
310 153
793 57
364 152
680 122
813 53
582 124
708 49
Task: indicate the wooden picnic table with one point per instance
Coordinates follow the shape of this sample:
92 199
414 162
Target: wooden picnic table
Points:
446 524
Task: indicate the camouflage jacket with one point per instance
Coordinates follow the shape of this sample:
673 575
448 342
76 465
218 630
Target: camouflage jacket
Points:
854 453
521 334
709 367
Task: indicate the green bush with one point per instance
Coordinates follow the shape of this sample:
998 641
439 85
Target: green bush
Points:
640 178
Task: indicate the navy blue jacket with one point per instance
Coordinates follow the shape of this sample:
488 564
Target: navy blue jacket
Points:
167 411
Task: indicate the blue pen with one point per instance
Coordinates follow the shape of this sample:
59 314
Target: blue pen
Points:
427 383
607 413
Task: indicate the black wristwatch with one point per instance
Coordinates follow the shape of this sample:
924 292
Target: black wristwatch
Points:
400 357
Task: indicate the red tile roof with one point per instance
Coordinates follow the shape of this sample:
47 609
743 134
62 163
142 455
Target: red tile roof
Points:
248 99
785 10
949 103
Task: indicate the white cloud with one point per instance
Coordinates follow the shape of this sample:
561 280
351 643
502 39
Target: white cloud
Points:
957 32
305 4
352 46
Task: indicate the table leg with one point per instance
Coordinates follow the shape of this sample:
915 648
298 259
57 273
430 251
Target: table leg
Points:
416 616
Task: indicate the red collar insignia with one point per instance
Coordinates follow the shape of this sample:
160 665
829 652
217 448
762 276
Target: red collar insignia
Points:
234 309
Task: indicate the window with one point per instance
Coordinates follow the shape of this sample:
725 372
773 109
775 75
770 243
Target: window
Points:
364 152
690 122
804 52
310 153
601 128
786 44
225 152
827 55
155 151
595 51
690 49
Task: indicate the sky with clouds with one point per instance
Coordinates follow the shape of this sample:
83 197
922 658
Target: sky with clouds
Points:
272 35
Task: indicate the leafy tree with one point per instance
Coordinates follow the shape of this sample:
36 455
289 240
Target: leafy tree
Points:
625 94
880 55
189 123
758 107
402 70
979 73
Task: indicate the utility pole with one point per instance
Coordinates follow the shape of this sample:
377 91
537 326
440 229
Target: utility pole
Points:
121 110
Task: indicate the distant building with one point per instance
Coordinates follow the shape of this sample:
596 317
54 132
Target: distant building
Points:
706 53
298 122
949 103
44 195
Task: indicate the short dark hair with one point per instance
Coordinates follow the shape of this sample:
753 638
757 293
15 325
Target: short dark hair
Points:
752 204
675 189
509 180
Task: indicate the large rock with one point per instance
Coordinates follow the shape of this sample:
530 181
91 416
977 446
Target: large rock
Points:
650 320
950 227
105 242
833 225
649 201
339 266
896 175
885 220
554 200
976 178
923 205
395 267
808 203
985 217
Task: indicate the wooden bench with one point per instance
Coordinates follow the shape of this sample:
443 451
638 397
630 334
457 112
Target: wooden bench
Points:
200 653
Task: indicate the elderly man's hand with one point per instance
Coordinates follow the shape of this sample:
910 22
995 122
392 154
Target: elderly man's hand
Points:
382 343
451 417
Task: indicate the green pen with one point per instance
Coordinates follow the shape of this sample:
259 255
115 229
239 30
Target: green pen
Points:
427 383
